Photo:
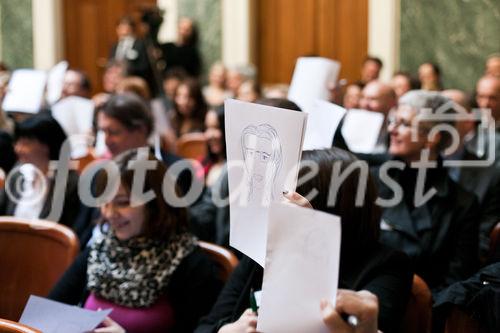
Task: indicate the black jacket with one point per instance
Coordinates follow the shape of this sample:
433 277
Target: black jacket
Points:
440 236
71 200
384 272
192 290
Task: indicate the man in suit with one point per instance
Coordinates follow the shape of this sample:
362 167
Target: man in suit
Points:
483 181
131 50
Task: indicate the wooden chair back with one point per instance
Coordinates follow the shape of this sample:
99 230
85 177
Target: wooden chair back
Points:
494 252
7 326
192 146
33 256
224 258
460 322
418 314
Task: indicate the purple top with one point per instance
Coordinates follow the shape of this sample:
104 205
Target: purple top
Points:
157 318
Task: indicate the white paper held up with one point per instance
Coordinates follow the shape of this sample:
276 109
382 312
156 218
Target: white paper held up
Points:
25 91
361 130
55 82
322 122
302 267
53 317
263 151
311 78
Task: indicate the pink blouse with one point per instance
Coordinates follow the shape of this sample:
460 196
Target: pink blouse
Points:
157 318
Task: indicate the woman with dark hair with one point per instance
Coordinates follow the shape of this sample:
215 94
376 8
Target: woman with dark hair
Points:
215 160
145 265
429 75
188 114
438 232
38 141
184 52
365 265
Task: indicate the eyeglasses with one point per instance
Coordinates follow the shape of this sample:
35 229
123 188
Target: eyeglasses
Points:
392 121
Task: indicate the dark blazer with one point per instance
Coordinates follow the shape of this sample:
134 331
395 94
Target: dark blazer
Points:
9 157
71 201
384 272
484 182
440 236
192 290
137 61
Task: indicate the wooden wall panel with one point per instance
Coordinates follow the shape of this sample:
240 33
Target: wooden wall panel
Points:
287 29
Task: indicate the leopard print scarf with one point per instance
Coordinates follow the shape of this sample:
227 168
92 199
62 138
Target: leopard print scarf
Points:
135 272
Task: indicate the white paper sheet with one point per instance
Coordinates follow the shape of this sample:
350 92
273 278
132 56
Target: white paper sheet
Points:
25 91
311 78
302 267
75 115
263 150
55 82
322 122
53 317
361 130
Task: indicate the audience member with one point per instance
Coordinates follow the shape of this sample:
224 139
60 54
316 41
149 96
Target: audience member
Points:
483 181
433 219
379 97
135 85
370 70
402 82
493 65
114 73
249 91
385 273
429 75
145 265
352 96
76 83
184 52
38 140
131 50
215 161
188 114
215 92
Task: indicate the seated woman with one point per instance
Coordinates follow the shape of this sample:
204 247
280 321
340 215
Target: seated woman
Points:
215 92
370 266
146 266
189 112
38 141
440 233
215 160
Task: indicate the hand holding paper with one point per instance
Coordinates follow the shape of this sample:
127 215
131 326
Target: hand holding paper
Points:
54 317
302 260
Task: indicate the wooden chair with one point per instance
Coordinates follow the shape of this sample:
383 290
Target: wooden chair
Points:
7 326
2 178
418 314
460 322
494 251
33 256
224 258
192 146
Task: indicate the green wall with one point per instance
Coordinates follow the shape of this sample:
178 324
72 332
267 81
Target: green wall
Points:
16 33
458 35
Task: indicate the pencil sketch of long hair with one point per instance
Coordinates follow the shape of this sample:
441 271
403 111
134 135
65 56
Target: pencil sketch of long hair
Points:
262 154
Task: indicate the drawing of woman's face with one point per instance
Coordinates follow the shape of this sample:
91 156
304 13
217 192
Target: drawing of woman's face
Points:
258 154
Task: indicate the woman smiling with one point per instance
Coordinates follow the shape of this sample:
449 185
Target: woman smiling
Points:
146 266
